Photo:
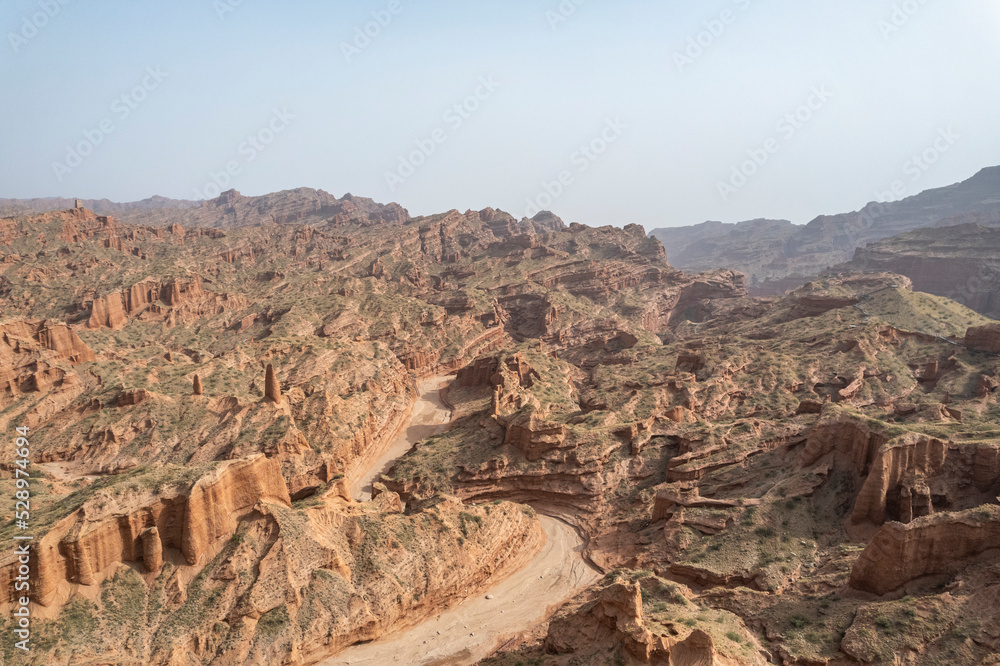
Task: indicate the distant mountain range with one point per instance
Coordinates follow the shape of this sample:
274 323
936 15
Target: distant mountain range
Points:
9 207
777 255
305 206
228 211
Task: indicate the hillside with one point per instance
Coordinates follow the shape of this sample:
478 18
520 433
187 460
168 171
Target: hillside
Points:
960 262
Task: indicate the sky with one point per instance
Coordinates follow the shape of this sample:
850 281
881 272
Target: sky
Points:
661 113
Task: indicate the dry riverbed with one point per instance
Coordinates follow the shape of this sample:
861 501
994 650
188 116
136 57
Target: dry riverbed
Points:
470 631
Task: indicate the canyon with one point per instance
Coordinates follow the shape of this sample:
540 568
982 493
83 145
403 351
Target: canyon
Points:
301 429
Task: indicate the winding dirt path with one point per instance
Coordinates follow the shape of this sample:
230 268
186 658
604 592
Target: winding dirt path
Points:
470 631
430 416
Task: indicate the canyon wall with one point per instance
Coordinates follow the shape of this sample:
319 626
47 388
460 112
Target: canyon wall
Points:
930 545
104 530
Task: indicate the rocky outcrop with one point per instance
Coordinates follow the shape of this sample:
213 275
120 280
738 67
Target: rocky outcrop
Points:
899 469
152 549
513 407
533 435
217 501
913 472
958 261
615 617
984 338
107 311
986 385
133 397
845 435
272 390
671 498
31 353
931 545
82 546
594 281
619 607
61 339
197 388
512 372
157 300
905 477
478 373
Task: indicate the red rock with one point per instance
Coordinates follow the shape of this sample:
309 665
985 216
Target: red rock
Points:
984 338
931 545
534 436
809 407
246 323
986 386
272 391
152 549
81 547
133 397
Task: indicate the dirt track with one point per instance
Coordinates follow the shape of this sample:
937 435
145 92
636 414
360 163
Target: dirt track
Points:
470 631
430 416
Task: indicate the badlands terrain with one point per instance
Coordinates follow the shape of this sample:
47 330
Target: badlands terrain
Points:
297 429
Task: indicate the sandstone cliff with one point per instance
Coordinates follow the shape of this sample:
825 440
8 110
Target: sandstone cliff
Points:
931 545
904 477
105 530
960 261
984 338
616 617
183 299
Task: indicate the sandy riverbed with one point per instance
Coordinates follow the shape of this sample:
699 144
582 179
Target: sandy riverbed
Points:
430 416
470 631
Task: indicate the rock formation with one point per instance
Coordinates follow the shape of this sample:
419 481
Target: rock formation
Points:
903 478
272 391
82 546
144 299
152 549
615 617
724 458
984 338
931 545
958 261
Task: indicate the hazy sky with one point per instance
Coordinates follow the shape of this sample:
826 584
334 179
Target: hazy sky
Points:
643 109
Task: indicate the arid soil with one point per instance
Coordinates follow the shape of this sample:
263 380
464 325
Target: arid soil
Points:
514 602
